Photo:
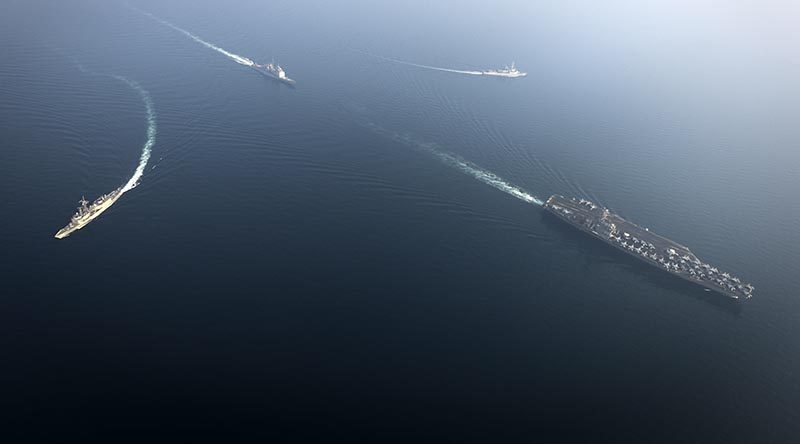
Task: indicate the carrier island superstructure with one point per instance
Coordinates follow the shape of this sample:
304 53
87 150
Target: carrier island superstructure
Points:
645 245
87 212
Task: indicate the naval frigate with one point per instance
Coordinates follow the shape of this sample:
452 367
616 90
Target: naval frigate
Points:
87 212
508 72
274 71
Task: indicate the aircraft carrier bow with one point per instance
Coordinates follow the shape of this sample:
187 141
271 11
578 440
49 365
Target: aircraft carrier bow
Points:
645 245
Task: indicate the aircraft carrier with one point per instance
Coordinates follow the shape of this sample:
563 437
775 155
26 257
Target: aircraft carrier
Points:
645 245
86 212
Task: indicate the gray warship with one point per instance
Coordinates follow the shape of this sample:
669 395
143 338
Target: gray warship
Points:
274 71
87 212
645 245
510 72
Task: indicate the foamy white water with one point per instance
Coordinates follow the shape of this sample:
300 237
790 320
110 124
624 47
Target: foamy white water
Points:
150 113
435 68
463 165
151 133
235 57
98 207
418 65
484 176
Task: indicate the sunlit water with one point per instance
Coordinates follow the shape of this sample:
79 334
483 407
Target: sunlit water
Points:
368 249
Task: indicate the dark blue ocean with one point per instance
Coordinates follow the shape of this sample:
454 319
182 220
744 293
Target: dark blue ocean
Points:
362 257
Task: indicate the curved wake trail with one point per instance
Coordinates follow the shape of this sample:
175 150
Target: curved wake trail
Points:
465 166
151 133
87 213
235 57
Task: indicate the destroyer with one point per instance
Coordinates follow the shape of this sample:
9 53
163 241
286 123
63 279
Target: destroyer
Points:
645 245
509 72
273 70
86 212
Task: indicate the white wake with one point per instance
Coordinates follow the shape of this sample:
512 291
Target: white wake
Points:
462 165
482 175
435 68
151 134
418 65
150 113
488 178
103 203
235 57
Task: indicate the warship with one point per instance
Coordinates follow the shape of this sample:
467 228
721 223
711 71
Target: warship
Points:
87 212
509 72
274 71
645 245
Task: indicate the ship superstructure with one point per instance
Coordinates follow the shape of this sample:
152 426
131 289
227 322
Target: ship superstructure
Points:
273 70
508 71
645 245
87 212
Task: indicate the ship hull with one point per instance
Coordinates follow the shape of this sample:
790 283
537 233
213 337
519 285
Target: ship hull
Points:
95 212
656 264
504 76
269 75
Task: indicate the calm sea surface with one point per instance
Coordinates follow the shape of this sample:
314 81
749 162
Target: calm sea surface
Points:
341 259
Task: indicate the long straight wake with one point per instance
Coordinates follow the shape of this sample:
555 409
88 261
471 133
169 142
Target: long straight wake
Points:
487 177
435 68
235 57
465 166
